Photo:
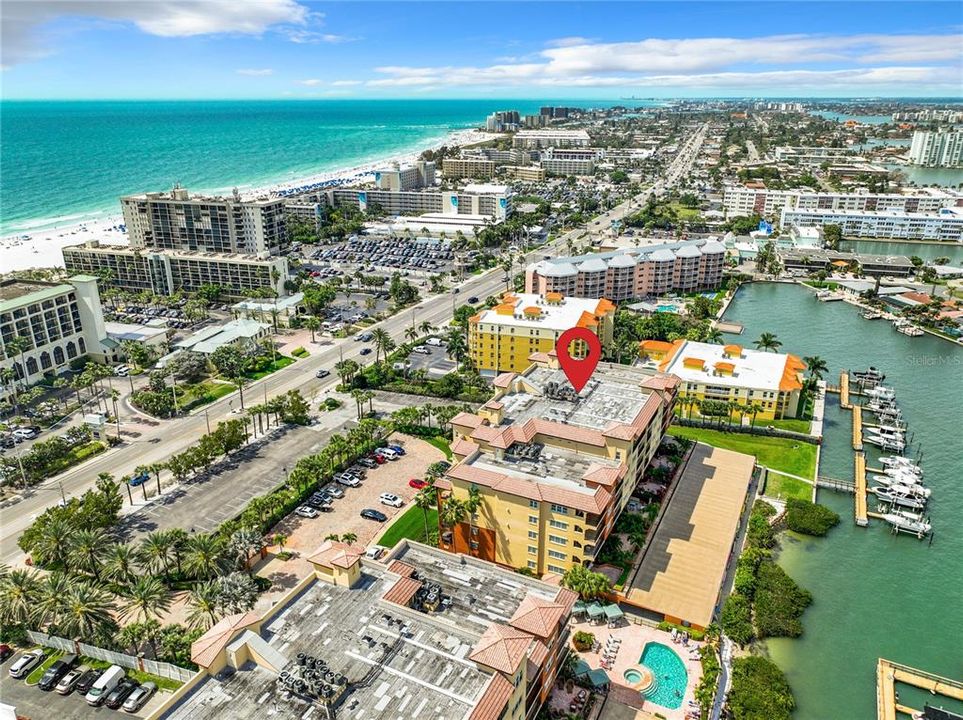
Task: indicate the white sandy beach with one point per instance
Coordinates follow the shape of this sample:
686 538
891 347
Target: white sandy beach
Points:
41 248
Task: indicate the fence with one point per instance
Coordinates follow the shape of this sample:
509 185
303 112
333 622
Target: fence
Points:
161 669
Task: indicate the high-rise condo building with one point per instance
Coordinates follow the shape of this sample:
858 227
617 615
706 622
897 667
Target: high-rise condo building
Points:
941 148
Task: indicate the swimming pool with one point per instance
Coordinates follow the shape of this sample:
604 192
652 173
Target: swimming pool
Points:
670 676
667 308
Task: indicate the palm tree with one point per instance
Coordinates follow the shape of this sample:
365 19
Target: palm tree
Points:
381 340
120 564
204 556
457 347
817 366
313 324
53 589
426 328
589 585
349 538
88 550
157 549
453 511
243 544
19 595
52 547
411 334
87 612
147 597
131 636
754 409
768 341
236 592
204 600
713 335
426 499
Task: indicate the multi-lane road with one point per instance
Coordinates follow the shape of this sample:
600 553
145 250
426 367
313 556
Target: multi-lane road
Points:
173 436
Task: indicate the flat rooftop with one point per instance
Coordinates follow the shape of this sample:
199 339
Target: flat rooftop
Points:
15 293
752 368
554 466
532 310
613 395
400 664
684 565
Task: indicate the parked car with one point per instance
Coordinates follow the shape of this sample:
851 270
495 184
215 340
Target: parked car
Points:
139 479
378 458
333 490
69 681
369 514
422 350
397 448
122 371
319 501
322 373
27 662
306 511
368 462
104 685
347 480
24 433
5 652
56 671
87 681
137 699
434 342
417 484
388 453
119 694
375 551
391 499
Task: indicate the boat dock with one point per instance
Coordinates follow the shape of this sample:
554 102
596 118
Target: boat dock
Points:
858 428
888 673
842 390
859 510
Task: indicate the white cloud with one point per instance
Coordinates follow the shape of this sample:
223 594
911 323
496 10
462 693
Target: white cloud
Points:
312 37
310 82
346 83
23 33
252 72
805 60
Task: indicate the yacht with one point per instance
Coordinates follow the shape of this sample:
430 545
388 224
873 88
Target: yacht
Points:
898 461
871 314
890 495
890 480
909 522
887 444
872 375
898 486
881 392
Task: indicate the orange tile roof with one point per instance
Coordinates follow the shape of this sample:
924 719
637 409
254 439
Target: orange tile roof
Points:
401 568
538 654
537 616
604 307
208 646
463 447
603 474
587 319
551 578
790 374
335 554
539 357
503 380
501 647
504 437
532 310
693 362
493 405
469 419
566 598
504 309
732 349
661 382
493 701
402 591
727 366
553 296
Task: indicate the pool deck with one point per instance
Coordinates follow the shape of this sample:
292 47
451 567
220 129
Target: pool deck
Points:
634 638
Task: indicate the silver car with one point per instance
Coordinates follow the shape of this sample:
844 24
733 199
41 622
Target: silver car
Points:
139 697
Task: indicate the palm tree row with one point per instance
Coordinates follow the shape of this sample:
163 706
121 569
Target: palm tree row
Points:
718 408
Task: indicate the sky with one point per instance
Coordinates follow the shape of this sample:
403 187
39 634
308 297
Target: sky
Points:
213 49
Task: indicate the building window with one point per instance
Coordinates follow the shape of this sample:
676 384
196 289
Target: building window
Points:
558 540
532 565
532 535
556 555
532 550
558 524
533 503
555 569
533 519
560 509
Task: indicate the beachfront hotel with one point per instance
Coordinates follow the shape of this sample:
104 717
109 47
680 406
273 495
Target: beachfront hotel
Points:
553 469
61 322
468 167
946 225
409 177
620 275
730 373
422 634
502 338
535 139
164 272
490 201
757 199
177 220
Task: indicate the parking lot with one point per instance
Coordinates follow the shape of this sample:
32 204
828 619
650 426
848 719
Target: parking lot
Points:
33 703
434 360
375 254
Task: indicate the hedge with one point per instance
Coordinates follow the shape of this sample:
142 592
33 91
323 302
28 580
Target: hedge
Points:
809 518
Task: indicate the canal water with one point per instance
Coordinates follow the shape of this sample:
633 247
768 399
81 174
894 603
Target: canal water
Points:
875 594
927 251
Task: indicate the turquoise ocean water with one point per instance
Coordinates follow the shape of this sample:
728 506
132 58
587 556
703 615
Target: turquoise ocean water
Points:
64 161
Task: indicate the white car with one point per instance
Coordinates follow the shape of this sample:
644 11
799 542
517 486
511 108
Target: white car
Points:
387 453
26 662
392 500
24 433
422 350
375 551
347 480
306 511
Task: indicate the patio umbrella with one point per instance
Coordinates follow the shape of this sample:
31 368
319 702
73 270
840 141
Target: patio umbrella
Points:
578 608
581 668
598 677
595 611
613 612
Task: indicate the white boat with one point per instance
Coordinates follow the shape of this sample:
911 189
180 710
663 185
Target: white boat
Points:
872 314
909 470
898 461
908 522
887 444
881 392
890 479
870 375
896 485
889 495
910 330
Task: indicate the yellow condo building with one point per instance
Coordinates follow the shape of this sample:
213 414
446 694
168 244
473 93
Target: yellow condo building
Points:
729 373
552 469
502 338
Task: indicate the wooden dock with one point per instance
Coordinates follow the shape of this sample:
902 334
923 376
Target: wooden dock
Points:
889 673
844 401
858 428
860 506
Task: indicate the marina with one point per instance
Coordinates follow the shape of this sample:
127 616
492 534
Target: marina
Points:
889 673
863 581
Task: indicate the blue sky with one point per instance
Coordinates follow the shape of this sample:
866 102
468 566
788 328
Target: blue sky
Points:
292 49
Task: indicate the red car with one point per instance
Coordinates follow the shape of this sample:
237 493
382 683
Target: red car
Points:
5 652
417 484
380 459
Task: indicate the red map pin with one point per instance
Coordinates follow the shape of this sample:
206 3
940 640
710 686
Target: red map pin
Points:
577 371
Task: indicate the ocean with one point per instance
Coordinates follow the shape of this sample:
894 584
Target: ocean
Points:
65 161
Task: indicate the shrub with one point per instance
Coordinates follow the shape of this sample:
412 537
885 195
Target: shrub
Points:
759 533
583 641
736 619
809 518
705 691
695 634
759 690
779 602
300 352
746 567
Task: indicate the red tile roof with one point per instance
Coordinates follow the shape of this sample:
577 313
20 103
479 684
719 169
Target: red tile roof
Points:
469 419
492 702
566 598
603 474
501 647
402 591
463 447
401 568
336 554
206 648
538 654
537 616
503 380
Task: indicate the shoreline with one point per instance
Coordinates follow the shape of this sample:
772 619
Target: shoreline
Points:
29 249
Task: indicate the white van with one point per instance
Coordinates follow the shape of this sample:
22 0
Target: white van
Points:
434 342
105 683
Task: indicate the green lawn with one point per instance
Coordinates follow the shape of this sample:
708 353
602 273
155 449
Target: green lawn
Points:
162 683
781 454
685 213
410 525
441 444
791 424
273 366
202 393
784 487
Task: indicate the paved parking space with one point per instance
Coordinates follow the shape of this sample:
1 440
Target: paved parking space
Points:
436 362
33 703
